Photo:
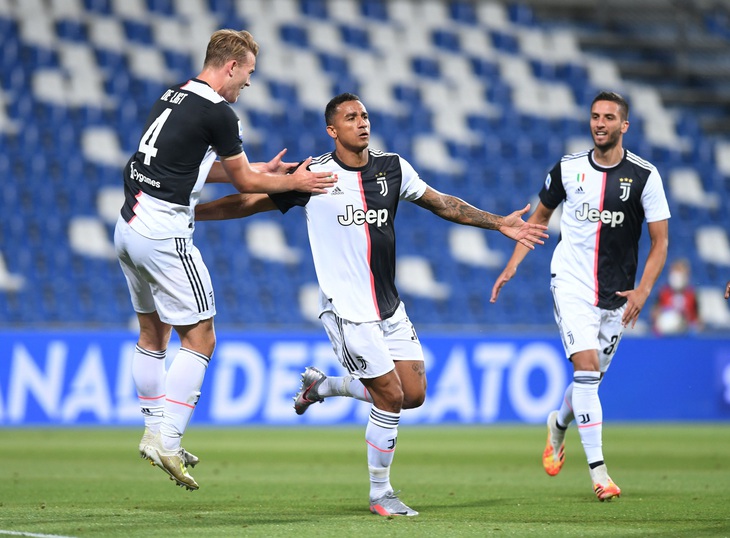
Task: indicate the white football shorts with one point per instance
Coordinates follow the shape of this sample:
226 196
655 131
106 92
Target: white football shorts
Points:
167 275
368 350
585 326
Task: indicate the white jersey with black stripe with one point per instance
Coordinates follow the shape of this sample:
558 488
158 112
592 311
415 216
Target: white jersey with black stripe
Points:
602 219
352 234
188 126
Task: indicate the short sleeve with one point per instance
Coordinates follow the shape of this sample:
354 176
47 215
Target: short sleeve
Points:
553 190
412 186
226 131
286 200
654 199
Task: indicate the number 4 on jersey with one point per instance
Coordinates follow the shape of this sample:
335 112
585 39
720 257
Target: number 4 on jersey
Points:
147 143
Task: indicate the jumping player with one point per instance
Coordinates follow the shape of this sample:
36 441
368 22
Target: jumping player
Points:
188 127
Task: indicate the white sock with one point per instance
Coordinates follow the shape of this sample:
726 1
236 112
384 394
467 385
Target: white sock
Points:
381 435
184 380
588 413
565 413
344 386
599 475
148 373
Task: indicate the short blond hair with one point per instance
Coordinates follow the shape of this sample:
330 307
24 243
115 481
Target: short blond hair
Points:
225 45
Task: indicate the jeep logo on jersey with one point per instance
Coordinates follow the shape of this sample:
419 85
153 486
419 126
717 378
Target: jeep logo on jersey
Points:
625 188
614 218
357 216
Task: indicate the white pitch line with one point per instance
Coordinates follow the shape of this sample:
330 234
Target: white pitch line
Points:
32 534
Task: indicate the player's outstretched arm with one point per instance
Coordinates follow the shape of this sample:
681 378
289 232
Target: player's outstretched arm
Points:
246 179
234 206
457 210
275 166
540 216
727 290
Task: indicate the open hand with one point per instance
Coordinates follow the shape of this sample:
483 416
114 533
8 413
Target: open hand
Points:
276 165
305 180
525 233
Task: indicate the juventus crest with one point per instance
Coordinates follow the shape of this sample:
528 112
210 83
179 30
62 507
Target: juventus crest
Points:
383 183
625 188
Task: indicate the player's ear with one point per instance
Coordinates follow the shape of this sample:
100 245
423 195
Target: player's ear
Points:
332 132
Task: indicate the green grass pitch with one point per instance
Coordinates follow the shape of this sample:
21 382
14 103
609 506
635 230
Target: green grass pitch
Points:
312 482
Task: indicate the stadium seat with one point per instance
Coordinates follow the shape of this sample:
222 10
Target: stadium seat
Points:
109 201
309 302
685 186
414 276
468 245
431 152
9 282
89 237
713 245
722 157
101 145
713 308
266 240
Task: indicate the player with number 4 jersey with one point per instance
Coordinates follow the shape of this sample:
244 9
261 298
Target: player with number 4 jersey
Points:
606 193
188 128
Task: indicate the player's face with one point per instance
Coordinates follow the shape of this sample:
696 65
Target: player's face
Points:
239 78
607 125
351 126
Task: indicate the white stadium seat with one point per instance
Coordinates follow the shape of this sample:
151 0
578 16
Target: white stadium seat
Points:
469 245
713 307
414 276
266 240
685 187
713 245
89 237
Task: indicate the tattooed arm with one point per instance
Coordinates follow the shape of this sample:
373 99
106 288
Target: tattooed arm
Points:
457 210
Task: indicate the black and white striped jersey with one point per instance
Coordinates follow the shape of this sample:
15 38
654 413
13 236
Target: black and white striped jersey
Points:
352 234
187 127
603 214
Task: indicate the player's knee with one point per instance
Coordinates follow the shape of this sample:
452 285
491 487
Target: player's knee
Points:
392 399
412 401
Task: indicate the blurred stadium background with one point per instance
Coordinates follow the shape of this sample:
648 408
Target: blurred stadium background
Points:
482 97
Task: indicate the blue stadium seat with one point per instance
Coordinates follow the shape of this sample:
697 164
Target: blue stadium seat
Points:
355 37
375 9
138 32
71 30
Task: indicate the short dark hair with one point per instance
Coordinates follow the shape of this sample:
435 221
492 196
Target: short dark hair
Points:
337 100
615 98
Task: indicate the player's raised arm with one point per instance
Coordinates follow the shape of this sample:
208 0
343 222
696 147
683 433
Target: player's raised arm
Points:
276 166
246 179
